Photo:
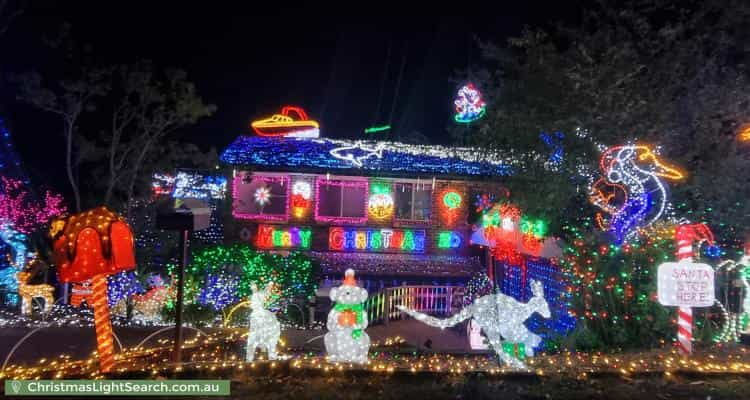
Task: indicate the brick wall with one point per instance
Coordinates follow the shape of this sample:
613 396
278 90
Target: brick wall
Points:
442 219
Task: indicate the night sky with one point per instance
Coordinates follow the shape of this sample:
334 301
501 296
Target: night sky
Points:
250 61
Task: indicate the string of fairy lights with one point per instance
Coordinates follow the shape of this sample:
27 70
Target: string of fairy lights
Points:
212 355
331 154
21 213
602 284
222 275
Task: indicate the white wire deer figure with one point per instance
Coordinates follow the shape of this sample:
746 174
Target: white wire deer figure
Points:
501 318
733 325
265 329
29 292
745 261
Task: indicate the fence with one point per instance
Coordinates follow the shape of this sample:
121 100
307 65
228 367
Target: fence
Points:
433 300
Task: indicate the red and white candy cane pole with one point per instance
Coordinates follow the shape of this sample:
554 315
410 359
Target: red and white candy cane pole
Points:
684 314
686 235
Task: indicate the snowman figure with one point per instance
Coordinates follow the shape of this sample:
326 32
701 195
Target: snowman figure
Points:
346 340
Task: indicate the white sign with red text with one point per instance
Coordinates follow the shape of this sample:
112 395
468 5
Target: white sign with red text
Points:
686 284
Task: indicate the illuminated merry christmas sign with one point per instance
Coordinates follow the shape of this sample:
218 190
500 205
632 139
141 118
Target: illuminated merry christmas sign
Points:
685 284
358 239
449 240
273 237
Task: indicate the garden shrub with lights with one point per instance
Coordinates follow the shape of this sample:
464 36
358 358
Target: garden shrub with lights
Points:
614 289
220 277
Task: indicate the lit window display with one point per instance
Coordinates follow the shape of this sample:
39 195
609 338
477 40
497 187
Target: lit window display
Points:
262 197
413 201
341 201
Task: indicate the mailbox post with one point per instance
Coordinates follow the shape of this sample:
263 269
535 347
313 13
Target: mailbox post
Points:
191 215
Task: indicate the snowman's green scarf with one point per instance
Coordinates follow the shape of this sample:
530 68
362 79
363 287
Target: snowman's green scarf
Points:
358 310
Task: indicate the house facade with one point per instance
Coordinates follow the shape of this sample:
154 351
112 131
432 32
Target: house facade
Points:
383 208
396 213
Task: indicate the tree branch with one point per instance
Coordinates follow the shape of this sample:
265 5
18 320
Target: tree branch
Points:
5 21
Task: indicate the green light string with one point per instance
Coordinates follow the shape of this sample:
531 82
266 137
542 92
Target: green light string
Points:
376 129
295 275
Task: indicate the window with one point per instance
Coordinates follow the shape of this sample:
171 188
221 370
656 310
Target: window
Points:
263 197
343 201
413 201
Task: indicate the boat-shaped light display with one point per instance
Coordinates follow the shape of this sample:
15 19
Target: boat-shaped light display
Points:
284 125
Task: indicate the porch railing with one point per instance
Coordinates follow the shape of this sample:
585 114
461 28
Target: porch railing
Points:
433 300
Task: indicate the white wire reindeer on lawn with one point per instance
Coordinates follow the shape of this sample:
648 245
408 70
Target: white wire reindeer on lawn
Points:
501 318
735 323
265 329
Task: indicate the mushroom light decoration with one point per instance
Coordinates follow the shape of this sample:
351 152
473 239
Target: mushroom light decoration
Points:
92 245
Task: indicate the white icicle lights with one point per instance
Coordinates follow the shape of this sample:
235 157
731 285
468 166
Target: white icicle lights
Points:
265 329
501 318
346 340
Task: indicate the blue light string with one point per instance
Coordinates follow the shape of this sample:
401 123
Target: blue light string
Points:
199 186
315 154
560 322
10 166
555 143
10 163
630 216
121 286
219 291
